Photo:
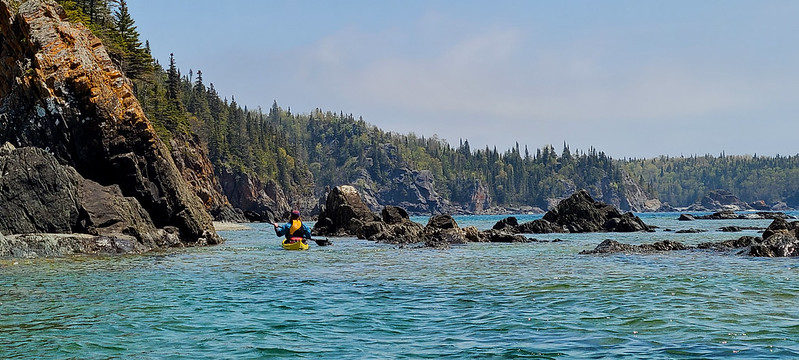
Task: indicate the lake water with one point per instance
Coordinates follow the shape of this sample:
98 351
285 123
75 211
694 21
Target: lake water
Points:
248 299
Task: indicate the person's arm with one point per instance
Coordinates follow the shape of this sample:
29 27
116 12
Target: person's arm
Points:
280 230
307 231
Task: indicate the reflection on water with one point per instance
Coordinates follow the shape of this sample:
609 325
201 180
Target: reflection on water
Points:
248 298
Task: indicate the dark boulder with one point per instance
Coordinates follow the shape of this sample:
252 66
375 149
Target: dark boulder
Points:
504 237
539 226
627 222
444 238
686 217
580 213
577 214
441 222
394 215
731 229
779 239
344 213
779 225
609 246
780 244
506 223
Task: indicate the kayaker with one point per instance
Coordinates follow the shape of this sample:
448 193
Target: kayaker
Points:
294 230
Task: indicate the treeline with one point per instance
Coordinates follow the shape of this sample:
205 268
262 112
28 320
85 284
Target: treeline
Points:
681 181
339 149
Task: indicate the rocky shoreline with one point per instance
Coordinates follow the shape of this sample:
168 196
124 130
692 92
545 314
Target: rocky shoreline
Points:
780 239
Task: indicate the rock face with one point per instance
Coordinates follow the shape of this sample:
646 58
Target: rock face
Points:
481 198
635 198
414 191
578 214
259 201
61 92
39 195
720 200
344 213
195 167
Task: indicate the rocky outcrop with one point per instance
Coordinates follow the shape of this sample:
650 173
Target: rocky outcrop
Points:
635 198
192 161
581 213
480 200
41 197
780 239
732 215
720 200
61 92
414 191
260 201
343 214
578 214
394 226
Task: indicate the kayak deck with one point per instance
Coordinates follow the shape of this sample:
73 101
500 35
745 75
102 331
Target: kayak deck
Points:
289 244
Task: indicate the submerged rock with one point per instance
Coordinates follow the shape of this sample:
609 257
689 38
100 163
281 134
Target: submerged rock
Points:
612 247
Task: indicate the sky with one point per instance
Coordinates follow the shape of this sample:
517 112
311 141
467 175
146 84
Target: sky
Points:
633 78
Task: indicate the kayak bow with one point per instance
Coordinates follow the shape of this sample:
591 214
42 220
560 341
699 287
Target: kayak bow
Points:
290 244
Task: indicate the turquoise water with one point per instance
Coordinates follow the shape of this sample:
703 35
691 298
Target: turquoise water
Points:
248 299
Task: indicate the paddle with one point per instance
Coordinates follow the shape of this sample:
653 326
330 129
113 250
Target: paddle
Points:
321 242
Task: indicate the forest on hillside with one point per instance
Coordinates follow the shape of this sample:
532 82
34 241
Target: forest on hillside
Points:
305 152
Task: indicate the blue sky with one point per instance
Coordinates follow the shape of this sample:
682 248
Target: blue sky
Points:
631 78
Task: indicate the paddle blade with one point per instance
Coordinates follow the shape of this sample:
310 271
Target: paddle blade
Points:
324 242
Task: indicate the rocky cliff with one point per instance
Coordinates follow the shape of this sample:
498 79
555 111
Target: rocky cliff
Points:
195 167
260 201
61 92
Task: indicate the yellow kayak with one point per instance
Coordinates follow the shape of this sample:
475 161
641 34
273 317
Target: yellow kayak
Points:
290 244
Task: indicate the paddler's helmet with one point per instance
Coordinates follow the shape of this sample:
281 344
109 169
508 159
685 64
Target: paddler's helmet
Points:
295 214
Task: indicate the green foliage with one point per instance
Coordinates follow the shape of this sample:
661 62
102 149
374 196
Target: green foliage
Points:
111 22
682 181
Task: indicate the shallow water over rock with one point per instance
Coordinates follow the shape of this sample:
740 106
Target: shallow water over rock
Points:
248 298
